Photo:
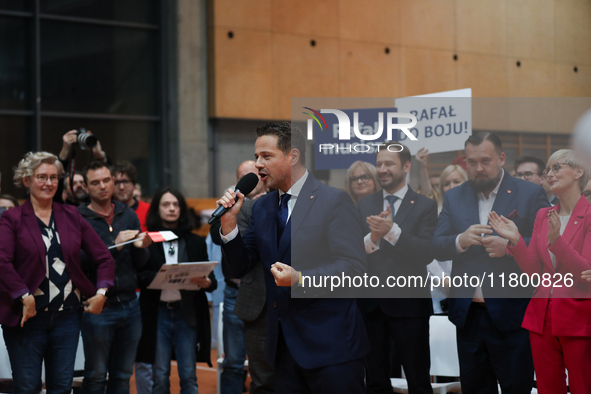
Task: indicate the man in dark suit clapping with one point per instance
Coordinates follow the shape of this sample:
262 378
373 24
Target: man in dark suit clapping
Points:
399 224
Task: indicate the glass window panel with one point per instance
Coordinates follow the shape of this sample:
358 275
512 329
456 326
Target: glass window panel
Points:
14 63
139 11
13 132
16 5
97 69
121 140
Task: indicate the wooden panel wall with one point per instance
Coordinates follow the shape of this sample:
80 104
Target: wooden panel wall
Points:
264 52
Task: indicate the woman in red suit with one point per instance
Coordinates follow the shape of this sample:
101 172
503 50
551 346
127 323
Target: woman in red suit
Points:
559 316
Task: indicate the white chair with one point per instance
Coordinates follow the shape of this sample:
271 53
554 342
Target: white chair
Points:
444 357
220 360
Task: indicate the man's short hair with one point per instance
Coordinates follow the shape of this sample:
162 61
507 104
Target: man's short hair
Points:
404 154
288 137
125 168
479 138
95 165
530 159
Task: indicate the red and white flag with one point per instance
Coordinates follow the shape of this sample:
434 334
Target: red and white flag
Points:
161 236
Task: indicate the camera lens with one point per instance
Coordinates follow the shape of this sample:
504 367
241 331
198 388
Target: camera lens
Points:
86 140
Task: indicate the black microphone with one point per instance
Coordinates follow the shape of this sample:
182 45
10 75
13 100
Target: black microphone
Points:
245 185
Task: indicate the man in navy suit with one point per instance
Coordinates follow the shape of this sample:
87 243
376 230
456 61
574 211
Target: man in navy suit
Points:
316 344
492 346
399 224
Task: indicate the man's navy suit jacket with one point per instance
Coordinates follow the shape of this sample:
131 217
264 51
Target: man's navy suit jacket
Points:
323 237
417 218
517 200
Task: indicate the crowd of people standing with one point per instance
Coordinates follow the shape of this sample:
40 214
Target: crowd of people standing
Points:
66 271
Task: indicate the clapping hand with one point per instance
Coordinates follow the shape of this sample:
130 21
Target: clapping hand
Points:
504 227
586 275
380 224
553 226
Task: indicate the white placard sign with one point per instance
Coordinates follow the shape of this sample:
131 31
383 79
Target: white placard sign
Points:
178 276
444 120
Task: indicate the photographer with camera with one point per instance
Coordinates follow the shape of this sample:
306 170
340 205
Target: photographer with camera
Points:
87 141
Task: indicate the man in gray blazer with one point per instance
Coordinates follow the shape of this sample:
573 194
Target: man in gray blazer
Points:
246 300
251 308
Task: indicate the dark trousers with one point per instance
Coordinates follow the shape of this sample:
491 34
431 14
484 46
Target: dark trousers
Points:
48 336
488 355
290 378
410 337
261 371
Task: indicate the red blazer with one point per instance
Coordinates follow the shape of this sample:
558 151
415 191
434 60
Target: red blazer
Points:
571 306
23 255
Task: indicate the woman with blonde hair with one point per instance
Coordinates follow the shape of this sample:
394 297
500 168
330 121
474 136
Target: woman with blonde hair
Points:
42 285
557 316
361 180
451 176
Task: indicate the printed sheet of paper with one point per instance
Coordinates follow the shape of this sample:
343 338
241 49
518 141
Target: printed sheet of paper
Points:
178 276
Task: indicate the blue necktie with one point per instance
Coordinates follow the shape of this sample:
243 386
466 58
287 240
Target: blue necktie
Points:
282 214
392 199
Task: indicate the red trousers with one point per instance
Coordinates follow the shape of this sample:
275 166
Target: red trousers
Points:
552 354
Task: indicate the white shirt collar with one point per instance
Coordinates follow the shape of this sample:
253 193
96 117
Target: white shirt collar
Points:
495 190
400 193
296 188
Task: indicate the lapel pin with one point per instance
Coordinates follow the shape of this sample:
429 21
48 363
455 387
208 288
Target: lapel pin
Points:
509 191
412 201
311 197
576 222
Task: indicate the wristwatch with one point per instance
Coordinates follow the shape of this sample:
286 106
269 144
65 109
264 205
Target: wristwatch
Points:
102 292
25 296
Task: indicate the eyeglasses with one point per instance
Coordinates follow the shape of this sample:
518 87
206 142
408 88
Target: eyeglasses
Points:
42 178
362 178
555 168
527 175
124 182
171 249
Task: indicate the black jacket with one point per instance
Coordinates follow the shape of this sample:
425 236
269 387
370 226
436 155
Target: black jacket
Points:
417 218
194 303
127 261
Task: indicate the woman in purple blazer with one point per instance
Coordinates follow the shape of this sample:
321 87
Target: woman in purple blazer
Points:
42 286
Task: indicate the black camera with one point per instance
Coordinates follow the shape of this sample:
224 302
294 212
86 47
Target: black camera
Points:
85 140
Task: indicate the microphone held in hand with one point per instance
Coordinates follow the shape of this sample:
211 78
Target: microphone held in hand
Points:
245 185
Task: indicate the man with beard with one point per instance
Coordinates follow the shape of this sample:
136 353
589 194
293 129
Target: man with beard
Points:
78 193
492 346
399 224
